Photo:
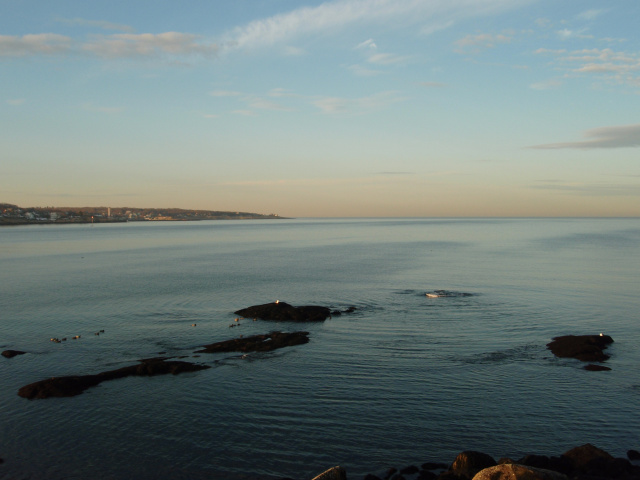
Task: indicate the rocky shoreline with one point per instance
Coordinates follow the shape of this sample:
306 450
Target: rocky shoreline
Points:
586 462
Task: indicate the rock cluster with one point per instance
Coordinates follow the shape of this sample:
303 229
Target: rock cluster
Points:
586 348
586 462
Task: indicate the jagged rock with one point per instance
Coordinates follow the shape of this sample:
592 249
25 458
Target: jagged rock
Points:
468 463
12 353
257 343
587 348
510 471
283 312
70 386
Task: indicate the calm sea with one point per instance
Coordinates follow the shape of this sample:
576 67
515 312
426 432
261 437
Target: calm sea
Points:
405 379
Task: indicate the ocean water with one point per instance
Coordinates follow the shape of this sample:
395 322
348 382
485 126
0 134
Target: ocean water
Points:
405 379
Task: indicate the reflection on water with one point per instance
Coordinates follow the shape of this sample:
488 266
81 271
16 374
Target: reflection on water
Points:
405 379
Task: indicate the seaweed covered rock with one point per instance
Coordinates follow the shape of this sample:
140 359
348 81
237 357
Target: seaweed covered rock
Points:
257 343
72 385
587 348
283 312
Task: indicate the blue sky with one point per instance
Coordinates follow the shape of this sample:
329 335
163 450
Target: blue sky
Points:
312 108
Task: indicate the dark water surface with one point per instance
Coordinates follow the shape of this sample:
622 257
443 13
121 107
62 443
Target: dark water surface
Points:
406 379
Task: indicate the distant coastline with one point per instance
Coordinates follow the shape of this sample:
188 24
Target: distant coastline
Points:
15 215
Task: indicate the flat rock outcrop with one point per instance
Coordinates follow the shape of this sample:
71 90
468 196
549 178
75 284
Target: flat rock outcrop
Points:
73 385
283 312
12 353
587 348
257 343
510 471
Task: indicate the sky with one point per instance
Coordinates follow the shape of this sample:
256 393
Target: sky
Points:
341 108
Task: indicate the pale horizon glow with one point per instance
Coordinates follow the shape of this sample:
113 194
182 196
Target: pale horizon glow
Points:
338 108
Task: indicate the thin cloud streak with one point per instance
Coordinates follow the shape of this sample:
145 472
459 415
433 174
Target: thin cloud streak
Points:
624 136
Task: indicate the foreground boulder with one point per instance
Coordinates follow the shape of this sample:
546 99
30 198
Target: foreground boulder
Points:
283 312
12 353
586 348
72 385
511 471
258 343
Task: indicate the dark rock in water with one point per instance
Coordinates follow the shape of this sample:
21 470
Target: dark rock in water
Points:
258 343
587 348
633 455
596 368
283 312
468 463
509 471
12 353
370 476
70 386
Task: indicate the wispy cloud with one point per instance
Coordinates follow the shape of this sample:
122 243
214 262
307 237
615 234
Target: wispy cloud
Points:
591 14
225 93
338 14
16 101
356 106
475 43
148 44
602 189
623 136
35 44
102 24
567 34
615 66
546 85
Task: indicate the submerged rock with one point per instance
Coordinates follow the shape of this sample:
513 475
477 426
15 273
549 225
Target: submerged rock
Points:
587 348
257 343
283 312
72 385
12 353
